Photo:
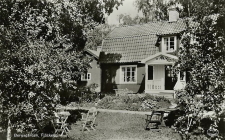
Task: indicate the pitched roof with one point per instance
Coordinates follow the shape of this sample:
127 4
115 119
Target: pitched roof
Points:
137 42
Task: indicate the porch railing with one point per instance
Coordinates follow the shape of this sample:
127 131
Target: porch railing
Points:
156 84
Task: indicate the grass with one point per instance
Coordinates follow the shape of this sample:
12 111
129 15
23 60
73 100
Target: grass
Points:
116 126
121 126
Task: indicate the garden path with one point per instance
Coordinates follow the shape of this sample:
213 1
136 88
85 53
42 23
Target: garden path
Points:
111 111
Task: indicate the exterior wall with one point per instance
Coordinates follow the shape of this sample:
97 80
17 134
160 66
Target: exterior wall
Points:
111 78
95 76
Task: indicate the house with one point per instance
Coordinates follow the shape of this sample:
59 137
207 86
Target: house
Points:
140 57
93 74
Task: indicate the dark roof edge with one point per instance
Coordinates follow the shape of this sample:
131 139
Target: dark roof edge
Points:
119 62
130 36
91 53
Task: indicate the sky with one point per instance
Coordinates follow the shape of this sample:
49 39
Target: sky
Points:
127 8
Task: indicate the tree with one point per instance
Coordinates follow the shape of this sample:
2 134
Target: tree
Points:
187 8
202 57
153 9
128 20
41 44
96 36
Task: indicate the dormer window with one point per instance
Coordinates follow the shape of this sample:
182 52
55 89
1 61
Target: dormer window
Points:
169 44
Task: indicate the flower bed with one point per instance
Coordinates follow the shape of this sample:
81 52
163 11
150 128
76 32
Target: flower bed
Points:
133 102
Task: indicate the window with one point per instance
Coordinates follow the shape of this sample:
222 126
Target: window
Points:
128 74
170 43
182 76
169 71
86 77
150 72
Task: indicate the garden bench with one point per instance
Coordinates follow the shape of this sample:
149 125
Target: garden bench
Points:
122 92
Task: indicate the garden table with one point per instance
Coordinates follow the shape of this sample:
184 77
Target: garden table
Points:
60 124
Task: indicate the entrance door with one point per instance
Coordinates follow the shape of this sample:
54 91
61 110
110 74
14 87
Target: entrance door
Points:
170 78
155 78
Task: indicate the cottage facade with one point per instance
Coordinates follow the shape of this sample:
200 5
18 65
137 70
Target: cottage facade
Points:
140 57
93 74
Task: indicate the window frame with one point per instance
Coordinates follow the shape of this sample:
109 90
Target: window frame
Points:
184 76
86 79
152 75
164 46
122 75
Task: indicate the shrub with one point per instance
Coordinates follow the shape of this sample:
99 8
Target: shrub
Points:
133 102
106 102
81 94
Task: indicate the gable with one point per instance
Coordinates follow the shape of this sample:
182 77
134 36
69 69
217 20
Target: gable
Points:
160 58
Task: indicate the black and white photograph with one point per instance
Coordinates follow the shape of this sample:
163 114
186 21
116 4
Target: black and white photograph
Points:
112 69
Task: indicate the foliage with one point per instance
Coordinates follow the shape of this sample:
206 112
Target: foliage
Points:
128 20
96 36
202 57
187 9
82 94
153 9
133 102
41 43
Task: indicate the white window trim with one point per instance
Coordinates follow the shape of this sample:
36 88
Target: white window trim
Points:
88 79
164 47
121 74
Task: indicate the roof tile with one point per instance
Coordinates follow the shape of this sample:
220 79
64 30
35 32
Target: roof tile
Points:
137 42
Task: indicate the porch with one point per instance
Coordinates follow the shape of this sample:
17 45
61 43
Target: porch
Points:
159 77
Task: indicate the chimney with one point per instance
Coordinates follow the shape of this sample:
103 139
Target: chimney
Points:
99 48
173 14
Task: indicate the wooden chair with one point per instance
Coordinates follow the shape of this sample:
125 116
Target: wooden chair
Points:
88 120
40 123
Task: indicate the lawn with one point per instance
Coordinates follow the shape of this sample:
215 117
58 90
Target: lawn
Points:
121 126
115 126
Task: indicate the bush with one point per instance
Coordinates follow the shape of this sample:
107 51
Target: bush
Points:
107 102
81 94
133 102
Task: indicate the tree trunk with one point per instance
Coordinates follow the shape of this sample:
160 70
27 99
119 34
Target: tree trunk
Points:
9 131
